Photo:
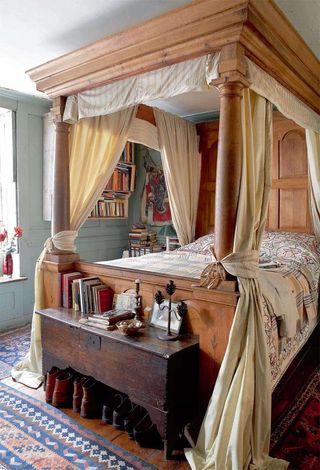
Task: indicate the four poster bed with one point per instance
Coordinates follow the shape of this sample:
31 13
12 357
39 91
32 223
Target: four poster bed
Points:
246 39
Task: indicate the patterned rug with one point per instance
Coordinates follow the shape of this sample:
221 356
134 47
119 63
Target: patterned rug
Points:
34 435
296 438
14 345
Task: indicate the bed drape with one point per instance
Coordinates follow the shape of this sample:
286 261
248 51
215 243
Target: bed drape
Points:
172 80
235 432
313 151
181 166
96 145
95 148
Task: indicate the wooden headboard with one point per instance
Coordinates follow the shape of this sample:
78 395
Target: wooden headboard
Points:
289 201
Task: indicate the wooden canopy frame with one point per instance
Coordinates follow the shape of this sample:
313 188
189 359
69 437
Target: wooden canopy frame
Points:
238 28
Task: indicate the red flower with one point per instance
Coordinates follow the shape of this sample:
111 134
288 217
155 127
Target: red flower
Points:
18 231
3 235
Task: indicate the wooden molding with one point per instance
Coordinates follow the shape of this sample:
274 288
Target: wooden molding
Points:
255 27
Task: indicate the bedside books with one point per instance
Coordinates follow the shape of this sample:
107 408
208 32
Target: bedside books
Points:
107 320
90 295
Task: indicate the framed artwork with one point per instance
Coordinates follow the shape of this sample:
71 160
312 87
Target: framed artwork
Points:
125 301
159 316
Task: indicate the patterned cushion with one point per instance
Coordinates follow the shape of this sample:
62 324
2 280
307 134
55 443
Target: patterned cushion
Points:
288 247
201 245
283 247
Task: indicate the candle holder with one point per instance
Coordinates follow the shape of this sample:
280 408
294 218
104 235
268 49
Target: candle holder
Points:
137 307
179 311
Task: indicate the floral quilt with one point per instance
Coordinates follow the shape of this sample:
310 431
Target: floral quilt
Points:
298 258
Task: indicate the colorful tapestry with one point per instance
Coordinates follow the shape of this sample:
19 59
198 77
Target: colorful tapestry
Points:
14 345
37 436
156 203
296 438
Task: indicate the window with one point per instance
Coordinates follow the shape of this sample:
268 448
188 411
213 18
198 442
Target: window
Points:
8 198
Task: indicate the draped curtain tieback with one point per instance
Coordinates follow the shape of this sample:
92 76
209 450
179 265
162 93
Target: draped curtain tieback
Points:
63 241
243 264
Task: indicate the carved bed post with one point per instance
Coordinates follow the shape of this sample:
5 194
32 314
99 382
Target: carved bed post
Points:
61 183
59 261
231 84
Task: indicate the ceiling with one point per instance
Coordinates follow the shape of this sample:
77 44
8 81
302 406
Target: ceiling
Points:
33 32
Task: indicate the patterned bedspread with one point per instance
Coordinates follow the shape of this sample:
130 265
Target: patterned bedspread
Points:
298 258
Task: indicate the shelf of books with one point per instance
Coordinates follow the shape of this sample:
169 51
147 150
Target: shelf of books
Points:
114 201
142 241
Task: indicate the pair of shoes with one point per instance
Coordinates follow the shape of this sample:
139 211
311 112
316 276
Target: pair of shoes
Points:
145 433
115 409
59 386
134 416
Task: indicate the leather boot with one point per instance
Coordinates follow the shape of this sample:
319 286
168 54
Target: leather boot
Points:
135 415
63 389
109 406
121 412
91 403
50 381
78 393
145 433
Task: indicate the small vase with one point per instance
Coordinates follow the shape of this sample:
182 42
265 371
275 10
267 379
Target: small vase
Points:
7 265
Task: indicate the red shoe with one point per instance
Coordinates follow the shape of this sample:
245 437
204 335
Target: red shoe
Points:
63 389
91 403
50 382
78 393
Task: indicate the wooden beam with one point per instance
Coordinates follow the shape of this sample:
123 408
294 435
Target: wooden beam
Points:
198 28
193 30
146 114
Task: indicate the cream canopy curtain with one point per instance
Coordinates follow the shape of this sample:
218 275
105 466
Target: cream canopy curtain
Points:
181 163
313 150
95 148
173 80
235 432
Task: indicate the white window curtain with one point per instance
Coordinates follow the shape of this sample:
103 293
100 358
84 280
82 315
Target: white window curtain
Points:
235 433
181 163
95 148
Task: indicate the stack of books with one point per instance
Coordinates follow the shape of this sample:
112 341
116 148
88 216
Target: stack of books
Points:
142 241
107 320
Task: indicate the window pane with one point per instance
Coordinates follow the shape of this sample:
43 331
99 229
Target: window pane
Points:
8 212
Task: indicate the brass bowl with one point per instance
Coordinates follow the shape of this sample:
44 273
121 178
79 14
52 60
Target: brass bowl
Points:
129 327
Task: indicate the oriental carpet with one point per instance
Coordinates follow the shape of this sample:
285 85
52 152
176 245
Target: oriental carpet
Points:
14 345
37 436
296 437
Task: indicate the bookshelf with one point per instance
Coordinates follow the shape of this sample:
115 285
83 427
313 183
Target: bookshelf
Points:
114 200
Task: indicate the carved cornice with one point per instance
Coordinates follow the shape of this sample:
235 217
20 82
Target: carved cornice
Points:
198 28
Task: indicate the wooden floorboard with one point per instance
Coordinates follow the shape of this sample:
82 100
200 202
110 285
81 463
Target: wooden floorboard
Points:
117 437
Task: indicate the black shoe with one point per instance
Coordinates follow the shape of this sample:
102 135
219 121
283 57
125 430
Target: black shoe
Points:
108 407
145 433
121 412
133 418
